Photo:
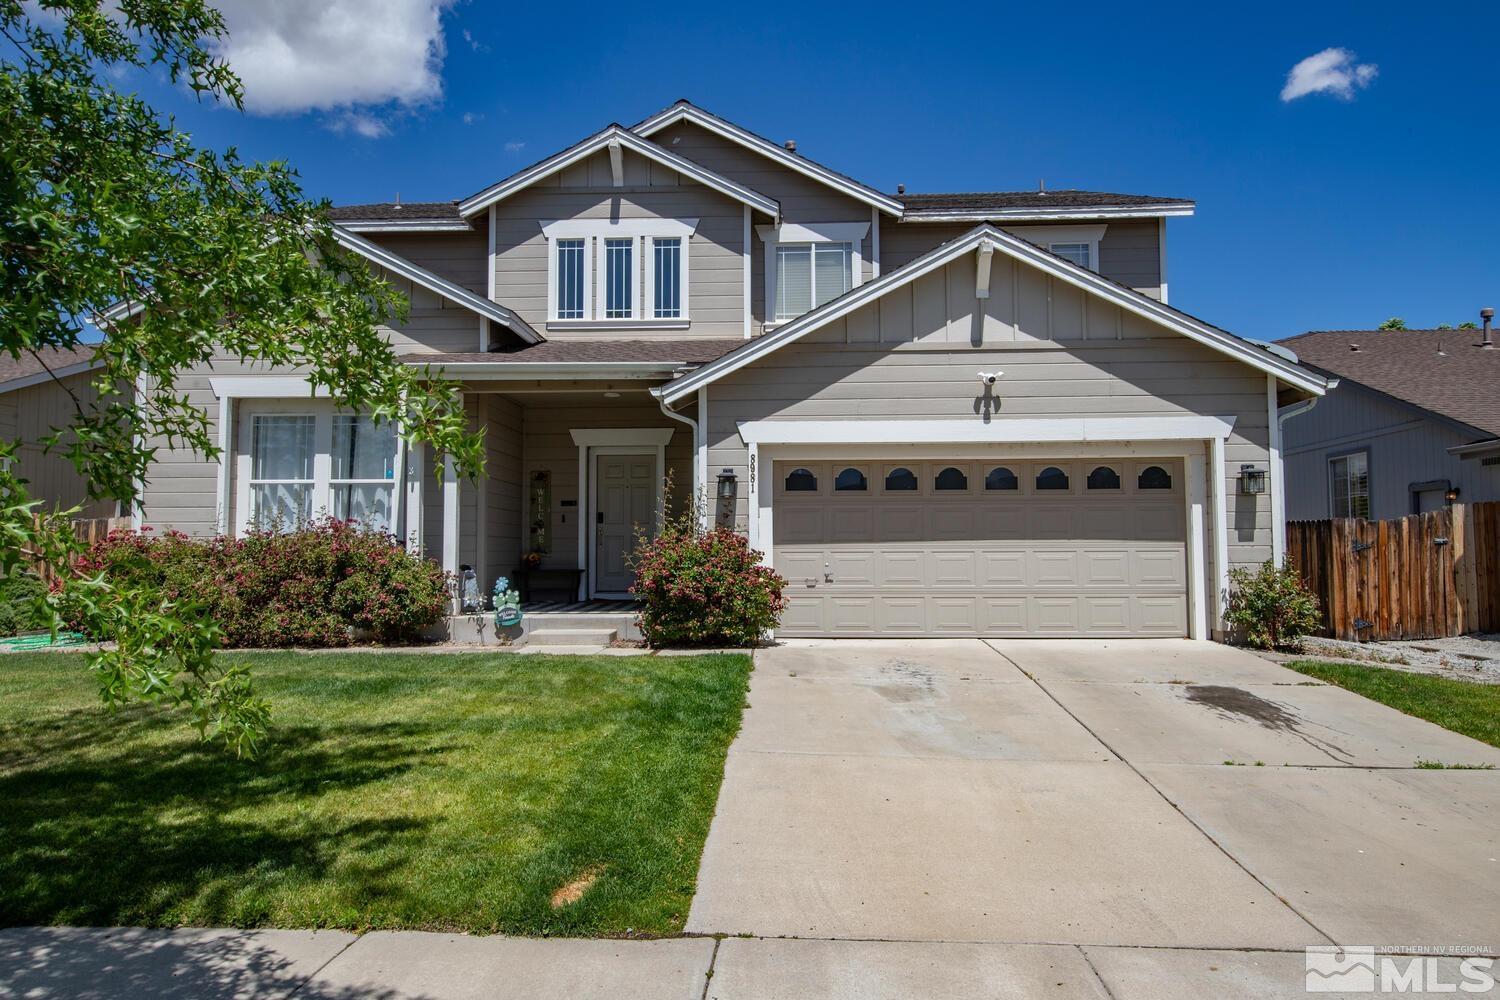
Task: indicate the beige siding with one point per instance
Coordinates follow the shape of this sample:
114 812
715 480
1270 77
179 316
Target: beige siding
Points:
29 415
459 257
914 354
715 267
1129 252
802 198
549 446
503 492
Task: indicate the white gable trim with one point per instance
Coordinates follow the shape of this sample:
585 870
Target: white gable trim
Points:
37 378
616 137
1041 430
456 294
683 111
1020 249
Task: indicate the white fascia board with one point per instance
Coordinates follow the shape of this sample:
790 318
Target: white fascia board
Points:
1476 448
634 143
1020 249
1050 214
456 294
265 387
403 226
26 381
751 141
1055 430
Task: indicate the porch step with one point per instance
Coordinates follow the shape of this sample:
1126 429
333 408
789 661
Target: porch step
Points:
550 635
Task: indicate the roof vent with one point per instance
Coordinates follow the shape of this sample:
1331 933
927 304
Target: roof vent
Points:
1041 185
900 188
1486 314
398 199
1354 347
791 145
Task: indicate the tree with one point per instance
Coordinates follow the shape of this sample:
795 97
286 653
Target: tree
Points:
1394 323
106 202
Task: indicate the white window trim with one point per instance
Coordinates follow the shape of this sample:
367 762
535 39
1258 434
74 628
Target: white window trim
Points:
643 233
322 413
852 233
1051 236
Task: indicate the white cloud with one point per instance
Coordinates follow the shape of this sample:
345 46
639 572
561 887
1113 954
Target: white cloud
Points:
470 117
514 147
474 43
1332 71
345 56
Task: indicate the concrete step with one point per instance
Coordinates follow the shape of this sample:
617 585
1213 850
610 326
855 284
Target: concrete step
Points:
551 635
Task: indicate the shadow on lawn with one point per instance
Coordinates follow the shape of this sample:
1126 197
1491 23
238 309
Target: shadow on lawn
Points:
116 819
89 964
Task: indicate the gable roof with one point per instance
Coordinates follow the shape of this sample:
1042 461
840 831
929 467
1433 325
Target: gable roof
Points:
685 110
615 135
979 206
1462 383
1256 355
437 284
45 364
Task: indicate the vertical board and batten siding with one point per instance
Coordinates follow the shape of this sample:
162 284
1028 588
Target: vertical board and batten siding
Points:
802 198
715 266
915 353
29 415
1129 252
1405 447
548 446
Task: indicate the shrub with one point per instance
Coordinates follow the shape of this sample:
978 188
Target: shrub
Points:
311 587
20 604
704 588
1270 607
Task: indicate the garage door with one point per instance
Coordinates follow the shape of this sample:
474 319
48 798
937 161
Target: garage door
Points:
998 548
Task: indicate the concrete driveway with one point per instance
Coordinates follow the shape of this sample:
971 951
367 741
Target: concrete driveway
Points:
1108 797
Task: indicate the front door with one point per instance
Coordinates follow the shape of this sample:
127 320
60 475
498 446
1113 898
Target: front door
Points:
624 497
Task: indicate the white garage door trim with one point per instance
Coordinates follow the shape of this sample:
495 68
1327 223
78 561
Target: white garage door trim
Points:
1197 440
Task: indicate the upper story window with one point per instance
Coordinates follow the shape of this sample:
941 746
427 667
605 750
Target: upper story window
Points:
609 273
1078 253
1349 484
810 274
809 264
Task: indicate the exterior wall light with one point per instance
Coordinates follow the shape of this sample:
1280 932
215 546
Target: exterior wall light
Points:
1252 480
1451 497
727 480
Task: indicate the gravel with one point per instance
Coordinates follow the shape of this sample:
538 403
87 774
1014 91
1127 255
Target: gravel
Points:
1467 657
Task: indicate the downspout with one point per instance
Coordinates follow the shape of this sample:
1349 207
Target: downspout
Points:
691 423
1283 414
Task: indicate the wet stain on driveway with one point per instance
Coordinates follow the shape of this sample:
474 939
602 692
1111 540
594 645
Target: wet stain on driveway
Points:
1237 703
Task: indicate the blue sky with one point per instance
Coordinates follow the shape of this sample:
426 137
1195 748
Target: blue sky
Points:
1317 212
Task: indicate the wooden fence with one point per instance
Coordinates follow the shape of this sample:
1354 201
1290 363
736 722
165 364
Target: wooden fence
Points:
1417 577
89 530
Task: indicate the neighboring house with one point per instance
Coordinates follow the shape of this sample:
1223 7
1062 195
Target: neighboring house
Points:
39 393
1415 418
961 414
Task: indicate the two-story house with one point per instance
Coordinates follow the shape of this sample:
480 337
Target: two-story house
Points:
936 414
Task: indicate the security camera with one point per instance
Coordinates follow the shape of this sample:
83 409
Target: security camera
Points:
988 378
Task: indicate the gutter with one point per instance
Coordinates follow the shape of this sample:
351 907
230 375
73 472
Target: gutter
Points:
1476 448
554 369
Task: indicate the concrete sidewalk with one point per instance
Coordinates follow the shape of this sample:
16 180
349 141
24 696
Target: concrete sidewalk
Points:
125 964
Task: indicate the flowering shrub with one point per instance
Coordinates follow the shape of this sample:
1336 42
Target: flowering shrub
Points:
704 588
1270 607
311 587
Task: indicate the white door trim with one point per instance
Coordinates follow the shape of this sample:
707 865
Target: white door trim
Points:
610 441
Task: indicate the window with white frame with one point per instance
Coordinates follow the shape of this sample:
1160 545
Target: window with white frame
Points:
1349 484
1078 253
666 295
281 469
810 264
618 271
299 462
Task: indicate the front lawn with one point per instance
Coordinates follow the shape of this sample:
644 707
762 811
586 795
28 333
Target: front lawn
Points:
1462 706
438 791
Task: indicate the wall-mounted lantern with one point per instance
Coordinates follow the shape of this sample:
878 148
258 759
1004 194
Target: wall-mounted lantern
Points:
1451 497
1252 480
727 480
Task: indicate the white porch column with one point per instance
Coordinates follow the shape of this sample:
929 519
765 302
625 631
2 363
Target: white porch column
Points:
450 517
1196 473
1221 531
226 458
701 491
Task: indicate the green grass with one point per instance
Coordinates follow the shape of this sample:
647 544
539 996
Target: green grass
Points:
453 792
1462 706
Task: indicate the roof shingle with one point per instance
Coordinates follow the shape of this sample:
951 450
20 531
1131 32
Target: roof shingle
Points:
46 358
411 211
978 201
1444 371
